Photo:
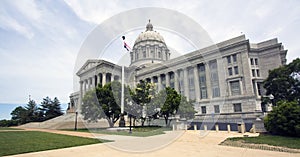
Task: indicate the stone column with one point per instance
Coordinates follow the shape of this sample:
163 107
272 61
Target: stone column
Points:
103 78
152 79
81 88
99 79
186 83
80 96
158 82
112 78
93 82
196 83
90 83
208 81
241 87
84 86
167 79
176 81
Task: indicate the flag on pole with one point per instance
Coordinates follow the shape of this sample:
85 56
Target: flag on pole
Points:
126 46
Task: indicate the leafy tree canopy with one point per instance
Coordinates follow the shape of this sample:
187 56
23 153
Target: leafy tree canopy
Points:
284 82
103 102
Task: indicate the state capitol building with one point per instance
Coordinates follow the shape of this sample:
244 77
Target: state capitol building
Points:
225 79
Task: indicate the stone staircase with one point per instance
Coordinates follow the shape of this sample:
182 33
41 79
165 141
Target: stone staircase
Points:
66 121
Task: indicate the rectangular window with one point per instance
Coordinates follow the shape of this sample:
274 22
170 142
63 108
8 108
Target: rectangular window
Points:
234 58
237 107
230 71
163 81
256 61
257 73
214 78
253 72
251 61
260 88
228 59
216 92
235 87
217 108
159 55
201 68
172 84
236 70
202 81
203 93
144 54
203 109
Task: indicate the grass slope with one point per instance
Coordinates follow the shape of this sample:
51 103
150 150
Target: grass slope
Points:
7 128
281 141
33 141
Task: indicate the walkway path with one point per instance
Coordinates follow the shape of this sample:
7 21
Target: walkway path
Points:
189 143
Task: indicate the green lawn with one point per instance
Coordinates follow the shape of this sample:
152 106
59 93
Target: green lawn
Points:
7 128
282 141
137 131
17 142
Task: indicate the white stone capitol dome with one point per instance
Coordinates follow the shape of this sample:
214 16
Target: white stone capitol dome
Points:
148 48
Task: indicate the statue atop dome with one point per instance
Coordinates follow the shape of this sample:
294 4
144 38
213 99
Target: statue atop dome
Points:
149 26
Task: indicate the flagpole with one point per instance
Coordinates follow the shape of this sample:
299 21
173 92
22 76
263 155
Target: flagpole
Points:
122 94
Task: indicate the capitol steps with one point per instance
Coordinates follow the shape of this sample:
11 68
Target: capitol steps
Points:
66 121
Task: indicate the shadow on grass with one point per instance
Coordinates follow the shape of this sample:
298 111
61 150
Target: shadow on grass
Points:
139 131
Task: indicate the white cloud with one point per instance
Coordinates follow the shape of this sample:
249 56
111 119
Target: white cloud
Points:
9 23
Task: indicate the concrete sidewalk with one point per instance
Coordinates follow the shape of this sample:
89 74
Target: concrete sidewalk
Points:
175 144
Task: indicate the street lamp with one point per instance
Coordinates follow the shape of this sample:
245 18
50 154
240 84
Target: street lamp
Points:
130 125
76 114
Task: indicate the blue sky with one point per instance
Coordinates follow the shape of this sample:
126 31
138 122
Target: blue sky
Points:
39 40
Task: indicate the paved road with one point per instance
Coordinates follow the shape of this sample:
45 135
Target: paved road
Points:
175 144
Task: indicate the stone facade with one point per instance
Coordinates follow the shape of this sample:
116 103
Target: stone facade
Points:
225 79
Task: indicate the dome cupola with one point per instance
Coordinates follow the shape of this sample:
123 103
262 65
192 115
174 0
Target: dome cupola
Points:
148 48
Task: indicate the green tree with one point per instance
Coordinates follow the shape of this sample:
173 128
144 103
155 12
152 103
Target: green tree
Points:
141 96
283 82
103 102
170 101
186 108
284 119
19 114
32 111
50 109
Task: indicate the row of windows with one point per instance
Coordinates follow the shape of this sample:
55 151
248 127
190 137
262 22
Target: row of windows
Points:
159 55
237 107
255 73
231 58
235 69
253 61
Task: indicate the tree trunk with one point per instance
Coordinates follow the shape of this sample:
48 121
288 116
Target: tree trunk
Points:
110 122
143 121
166 120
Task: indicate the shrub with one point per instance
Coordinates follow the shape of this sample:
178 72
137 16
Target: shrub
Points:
284 119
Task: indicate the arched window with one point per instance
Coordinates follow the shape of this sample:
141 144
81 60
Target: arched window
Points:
159 54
